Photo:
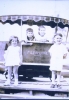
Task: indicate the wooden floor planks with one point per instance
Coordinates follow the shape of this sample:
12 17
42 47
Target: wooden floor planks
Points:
41 86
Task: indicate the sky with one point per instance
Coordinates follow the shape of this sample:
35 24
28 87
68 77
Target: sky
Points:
35 7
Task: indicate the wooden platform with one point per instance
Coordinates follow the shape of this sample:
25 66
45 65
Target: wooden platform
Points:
35 86
16 96
31 88
41 85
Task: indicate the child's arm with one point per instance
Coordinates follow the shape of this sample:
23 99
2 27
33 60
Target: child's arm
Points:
5 55
65 52
51 50
20 55
23 42
5 52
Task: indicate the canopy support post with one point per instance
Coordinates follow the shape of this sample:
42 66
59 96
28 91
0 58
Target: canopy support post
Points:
20 42
57 24
67 34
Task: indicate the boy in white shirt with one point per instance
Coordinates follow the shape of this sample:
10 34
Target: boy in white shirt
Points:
57 51
42 34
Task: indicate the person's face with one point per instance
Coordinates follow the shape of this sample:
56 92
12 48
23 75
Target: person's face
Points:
30 34
42 32
14 42
58 39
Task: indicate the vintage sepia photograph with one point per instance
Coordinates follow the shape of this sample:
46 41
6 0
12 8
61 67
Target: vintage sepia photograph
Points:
34 49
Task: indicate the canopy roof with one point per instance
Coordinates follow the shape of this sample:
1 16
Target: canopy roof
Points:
35 20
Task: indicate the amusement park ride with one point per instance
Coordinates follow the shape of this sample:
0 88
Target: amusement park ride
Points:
36 63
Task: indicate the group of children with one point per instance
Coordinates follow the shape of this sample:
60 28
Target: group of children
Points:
13 56
41 33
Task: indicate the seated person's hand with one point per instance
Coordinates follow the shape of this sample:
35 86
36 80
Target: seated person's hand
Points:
64 56
26 43
44 40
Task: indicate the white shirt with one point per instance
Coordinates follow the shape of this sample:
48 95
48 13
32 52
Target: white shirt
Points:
57 52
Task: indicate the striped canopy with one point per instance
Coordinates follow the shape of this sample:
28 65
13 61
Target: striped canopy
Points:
35 20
